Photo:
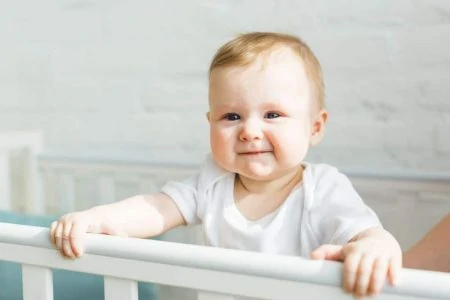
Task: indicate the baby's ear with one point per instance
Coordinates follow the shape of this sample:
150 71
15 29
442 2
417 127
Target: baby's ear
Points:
208 116
318 127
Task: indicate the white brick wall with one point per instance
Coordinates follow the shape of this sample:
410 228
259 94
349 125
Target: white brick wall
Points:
128 78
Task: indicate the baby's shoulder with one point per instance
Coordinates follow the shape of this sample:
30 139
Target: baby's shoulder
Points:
321 178
211 173
320 172
326 183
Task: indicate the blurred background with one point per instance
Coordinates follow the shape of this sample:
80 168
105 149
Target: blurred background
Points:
103 99
128 79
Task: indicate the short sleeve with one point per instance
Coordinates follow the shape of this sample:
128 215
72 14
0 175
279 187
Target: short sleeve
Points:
338 213
184 194
190 195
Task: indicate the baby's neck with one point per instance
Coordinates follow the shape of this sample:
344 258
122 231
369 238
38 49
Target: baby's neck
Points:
285 182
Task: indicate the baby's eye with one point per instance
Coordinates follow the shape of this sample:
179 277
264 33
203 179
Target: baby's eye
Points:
232 117
272 115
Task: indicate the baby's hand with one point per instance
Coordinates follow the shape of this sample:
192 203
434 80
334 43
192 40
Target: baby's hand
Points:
367 264
68 234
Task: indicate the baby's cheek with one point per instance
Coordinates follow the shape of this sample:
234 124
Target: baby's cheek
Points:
221 146
216 137
292 150
221 134
216 148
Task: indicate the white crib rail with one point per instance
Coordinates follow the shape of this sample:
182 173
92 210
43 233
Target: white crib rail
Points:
217 273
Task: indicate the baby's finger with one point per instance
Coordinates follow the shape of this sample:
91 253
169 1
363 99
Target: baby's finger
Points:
58 235
67 248
77 238
351 264
379 272
364 274
395 270
328 252
52 232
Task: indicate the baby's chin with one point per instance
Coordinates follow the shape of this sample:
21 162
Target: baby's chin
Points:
266 172
254 169
258 174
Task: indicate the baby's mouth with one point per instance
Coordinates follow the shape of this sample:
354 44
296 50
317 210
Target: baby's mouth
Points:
250 153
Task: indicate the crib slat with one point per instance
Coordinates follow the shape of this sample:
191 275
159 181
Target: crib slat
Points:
34 203
37 283
49 191
147 186
5 193
106 189
120 289
67 193
202 295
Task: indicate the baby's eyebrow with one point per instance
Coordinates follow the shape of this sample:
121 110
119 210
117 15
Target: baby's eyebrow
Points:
227 106
270 105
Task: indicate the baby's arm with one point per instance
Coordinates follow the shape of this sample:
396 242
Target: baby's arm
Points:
432 251
138 216
369 258
352 233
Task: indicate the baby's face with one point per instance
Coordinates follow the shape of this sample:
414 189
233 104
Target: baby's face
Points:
260 116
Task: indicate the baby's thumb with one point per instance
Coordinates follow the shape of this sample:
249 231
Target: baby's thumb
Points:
327 252
112 230
395 271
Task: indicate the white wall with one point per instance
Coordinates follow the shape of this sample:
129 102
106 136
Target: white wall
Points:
128 78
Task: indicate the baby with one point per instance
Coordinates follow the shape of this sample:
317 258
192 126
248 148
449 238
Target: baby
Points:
255 191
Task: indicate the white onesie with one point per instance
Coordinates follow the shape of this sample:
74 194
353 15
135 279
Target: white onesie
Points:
323 209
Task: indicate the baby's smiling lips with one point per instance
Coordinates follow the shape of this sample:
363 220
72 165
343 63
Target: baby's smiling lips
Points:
253 153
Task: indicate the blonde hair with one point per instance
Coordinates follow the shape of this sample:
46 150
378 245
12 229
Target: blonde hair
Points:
245 48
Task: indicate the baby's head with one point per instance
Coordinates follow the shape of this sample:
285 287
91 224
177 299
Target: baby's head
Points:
266 99
247 49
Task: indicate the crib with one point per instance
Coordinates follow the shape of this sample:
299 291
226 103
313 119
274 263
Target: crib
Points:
36 182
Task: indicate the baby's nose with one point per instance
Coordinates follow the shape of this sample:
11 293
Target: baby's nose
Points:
251 130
